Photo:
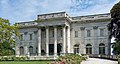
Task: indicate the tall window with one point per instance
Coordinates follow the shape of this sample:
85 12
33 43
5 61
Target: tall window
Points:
76 33
31 50
76 48
31 36
52 33
88 49
101 32
88 33
21 37
102 48
21 50
61 32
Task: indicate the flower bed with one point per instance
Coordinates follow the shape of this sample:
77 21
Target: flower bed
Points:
71 59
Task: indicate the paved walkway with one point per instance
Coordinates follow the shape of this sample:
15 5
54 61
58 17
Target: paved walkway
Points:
98 61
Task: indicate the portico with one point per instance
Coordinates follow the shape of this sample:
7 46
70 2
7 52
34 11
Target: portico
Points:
57 40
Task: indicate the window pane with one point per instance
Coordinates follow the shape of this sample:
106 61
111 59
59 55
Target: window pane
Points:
101 32
30 36
21 50
88 49
76 33
101 48
21 37
88 33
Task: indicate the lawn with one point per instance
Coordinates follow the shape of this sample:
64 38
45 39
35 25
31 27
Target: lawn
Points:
25 62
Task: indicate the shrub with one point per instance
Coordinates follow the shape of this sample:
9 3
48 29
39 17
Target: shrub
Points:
13 58
71 59
118 60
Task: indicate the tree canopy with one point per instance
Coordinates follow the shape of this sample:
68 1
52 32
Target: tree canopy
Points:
114 27
7 37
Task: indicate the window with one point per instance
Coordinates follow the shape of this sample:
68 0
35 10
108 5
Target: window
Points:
76 33
21 37
101 32
88 49
76 48
102 48
88 33
31 50
31 37
52 33
61 33
21 50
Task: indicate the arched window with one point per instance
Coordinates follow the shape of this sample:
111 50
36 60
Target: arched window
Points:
101 48
31 50
76 48
21 50
88 49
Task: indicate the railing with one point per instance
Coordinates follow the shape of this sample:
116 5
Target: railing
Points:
111 57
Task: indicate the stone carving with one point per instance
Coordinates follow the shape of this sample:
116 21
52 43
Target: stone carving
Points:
95 27
82 28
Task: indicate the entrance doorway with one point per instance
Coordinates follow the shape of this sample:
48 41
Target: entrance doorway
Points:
59 48
51 49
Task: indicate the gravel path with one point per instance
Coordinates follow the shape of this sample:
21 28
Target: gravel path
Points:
98 61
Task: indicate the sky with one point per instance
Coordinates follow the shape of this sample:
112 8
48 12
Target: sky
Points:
27 10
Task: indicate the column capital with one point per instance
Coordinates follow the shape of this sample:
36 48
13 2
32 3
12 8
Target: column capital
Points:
95 27
39 27
47 27
82 28
63 25
55 26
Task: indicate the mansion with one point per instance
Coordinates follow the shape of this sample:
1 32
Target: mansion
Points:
58 34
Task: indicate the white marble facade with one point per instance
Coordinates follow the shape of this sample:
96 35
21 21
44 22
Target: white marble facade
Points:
57 34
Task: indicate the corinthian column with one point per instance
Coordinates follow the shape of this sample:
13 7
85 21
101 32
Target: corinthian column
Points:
64 40
55 40
47 41
68 39
39 42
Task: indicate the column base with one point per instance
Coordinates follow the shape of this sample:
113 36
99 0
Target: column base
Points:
55 54
39 54
47 54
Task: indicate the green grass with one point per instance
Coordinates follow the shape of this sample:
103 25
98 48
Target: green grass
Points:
25 62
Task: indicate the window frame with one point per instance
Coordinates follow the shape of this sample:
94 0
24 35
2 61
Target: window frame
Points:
76 33
88 33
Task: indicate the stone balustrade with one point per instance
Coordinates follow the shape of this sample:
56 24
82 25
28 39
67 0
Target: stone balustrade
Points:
91 17
23 24
52 15
112 57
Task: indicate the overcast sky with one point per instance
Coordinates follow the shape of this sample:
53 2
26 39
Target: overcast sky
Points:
26 10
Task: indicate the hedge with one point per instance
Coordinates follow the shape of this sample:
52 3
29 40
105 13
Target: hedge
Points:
13 58
118 60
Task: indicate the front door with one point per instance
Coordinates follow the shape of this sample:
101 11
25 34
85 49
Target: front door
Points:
59 49
51 49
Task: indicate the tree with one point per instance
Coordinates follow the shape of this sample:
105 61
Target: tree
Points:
7 37
114 27
116 48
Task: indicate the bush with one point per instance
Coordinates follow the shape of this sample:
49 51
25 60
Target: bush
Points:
118 60
71 59
13 58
